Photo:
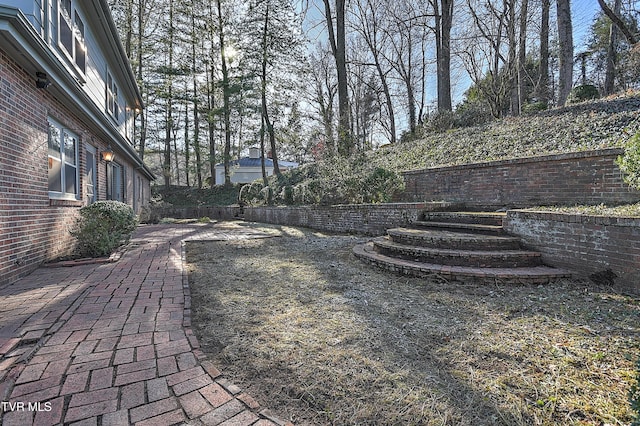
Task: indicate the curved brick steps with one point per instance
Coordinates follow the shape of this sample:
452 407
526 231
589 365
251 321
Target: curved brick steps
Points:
475 258
484 218
529 275
461 227
447 239
458 246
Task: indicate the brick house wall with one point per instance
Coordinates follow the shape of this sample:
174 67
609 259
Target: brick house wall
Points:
582 243
589 177
33 227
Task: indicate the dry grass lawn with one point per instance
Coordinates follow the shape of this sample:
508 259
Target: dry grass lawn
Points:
321 338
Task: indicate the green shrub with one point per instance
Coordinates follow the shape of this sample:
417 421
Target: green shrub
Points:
585 92
148 215
104 226
469 114
534 107
629 163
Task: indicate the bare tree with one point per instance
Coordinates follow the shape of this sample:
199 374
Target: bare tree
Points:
324 90
443 13
612 54
565 44
543 80
618 22
337 42
226 102
369 16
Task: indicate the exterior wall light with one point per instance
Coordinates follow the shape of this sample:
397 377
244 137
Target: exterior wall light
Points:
108 155
42 82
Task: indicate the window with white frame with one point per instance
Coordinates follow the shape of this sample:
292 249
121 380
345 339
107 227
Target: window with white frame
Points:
71 34
113 108
63 162
115 182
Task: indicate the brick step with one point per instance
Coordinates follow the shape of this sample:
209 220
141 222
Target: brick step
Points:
461 227
475 258
446 239
529 275
481 218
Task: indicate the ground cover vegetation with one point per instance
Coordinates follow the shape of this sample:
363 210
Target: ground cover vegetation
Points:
375 176
321 338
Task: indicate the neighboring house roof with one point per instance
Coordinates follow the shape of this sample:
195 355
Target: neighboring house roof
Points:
256 162
26 46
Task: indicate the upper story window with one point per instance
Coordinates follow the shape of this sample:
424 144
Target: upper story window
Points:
112 98
63 162
71 34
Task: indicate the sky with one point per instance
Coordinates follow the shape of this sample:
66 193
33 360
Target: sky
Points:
583 12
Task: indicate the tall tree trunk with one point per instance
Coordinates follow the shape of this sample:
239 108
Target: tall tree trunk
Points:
187 150
512 61
176 153
443 11
139 77
212 126
169 113
610 73
196 103
263 93
522 56
337 40
226 104
565 41
543 83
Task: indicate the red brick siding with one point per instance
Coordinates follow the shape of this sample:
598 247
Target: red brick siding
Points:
590 177
584 244
33 228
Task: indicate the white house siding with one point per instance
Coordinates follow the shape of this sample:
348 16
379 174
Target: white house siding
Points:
40 12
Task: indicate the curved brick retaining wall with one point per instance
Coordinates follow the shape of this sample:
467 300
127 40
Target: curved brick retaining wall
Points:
583 244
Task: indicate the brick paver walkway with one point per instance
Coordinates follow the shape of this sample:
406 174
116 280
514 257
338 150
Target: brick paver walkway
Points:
112 344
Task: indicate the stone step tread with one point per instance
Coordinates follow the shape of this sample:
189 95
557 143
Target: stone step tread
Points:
387 243
536 274
447 234
467 217
459 225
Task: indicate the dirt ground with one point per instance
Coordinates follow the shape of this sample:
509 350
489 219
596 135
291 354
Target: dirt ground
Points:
321 338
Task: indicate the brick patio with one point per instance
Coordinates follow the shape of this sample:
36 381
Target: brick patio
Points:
112 343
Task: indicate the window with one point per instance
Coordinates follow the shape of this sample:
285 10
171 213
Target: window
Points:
90 174
115 182
112 98
71 35
63 162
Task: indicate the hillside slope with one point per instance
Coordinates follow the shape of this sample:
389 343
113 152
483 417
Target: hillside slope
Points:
590 125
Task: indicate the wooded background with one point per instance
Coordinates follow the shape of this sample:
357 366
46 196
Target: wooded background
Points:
306 79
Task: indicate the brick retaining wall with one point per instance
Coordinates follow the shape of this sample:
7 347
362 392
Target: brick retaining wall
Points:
212 212
582 243
366 219
589 177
